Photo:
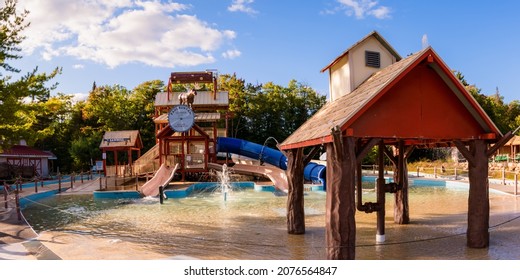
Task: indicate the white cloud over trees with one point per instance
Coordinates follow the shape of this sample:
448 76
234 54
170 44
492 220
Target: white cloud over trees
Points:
117 32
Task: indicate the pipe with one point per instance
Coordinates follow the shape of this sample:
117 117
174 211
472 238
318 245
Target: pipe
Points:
380 235
367 207
161 194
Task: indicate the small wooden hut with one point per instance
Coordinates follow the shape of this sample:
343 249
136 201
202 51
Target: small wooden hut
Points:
120 141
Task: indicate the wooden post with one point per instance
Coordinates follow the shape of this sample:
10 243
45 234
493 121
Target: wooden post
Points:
161 194
81 176
503 175
417 171
516 184
72 180
295 201
401 206
35 184
478 202
340 230
17 201
100 183
5 195
59 182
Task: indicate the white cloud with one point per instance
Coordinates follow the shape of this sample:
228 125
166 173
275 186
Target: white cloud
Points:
362 8
77 97
116 32
78 66
231 54
242 6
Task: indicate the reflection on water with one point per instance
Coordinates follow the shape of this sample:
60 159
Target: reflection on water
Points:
252 225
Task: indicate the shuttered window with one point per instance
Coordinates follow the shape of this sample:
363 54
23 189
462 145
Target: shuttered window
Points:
372 59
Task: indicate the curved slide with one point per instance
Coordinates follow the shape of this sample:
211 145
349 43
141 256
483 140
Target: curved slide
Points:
312 171
162 177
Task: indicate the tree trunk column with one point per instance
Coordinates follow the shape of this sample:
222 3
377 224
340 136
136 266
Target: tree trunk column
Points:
401 207
295 201
478 203
340 216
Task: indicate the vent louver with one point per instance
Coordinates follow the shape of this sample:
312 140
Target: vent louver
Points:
372 59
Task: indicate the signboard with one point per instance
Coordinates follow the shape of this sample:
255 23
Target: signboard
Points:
181 118
99 165
123 139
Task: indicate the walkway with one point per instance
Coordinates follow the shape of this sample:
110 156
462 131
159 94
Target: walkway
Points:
17 238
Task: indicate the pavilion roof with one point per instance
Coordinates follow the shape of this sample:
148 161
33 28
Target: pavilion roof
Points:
121 139
344 111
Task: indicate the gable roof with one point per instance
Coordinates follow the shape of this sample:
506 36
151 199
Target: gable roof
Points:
121 139
344 111
374 34
22 151
515 141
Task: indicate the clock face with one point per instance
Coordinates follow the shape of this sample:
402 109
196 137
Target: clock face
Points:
181 118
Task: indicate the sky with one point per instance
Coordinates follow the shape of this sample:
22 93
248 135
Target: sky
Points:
128 42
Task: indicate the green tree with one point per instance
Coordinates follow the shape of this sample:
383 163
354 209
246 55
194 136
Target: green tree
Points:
269 110
22 100
142 100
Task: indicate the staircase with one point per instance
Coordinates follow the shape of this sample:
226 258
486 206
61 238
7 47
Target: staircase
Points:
149 162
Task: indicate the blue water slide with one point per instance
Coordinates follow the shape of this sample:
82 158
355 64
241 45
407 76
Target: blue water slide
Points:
312 171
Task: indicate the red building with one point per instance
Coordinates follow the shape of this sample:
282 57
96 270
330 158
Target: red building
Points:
25 161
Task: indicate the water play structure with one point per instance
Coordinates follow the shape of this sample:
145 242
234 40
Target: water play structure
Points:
191 141
378 100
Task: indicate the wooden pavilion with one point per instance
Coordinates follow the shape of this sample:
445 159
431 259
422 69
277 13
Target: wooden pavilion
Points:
120 141
412 102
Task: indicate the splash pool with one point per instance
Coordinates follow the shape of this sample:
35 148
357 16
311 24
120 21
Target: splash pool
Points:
252 225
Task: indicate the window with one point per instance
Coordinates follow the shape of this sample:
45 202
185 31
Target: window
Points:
372 59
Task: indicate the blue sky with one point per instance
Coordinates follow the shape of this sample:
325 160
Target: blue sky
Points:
128 42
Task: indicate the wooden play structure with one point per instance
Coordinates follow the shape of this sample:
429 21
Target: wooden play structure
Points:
380 99
194 148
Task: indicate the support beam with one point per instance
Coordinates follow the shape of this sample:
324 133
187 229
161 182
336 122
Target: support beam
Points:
478 203
315 150
295 201
465 152
340 232
363 151
401 207
502 142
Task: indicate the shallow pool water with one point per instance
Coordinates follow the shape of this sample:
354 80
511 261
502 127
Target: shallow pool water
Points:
252 225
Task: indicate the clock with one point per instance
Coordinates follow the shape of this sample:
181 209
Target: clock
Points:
181 118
